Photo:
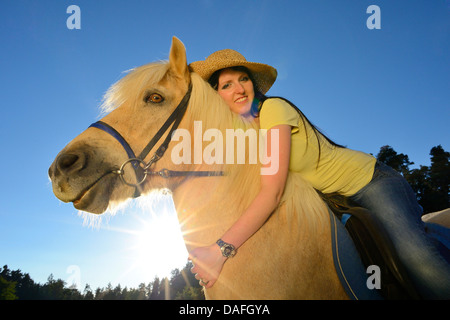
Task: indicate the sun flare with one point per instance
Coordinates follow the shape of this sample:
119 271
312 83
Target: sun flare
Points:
158 244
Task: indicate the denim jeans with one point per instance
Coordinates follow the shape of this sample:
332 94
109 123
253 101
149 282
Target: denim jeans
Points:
391 199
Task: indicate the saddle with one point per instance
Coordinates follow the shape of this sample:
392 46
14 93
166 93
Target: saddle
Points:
373 246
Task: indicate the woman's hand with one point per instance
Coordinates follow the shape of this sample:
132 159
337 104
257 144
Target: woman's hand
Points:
208 262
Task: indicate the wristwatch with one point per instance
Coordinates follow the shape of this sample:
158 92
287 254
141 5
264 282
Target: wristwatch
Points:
228 250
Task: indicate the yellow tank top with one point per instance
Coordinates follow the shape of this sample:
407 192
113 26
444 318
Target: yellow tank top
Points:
340 170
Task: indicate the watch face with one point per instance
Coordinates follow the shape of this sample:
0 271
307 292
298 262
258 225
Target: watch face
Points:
228 250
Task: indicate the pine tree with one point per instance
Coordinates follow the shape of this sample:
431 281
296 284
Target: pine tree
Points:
7 289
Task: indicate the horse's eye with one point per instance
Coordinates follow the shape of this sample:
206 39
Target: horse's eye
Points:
154 98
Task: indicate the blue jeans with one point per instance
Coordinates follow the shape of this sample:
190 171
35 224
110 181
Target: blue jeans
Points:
391 199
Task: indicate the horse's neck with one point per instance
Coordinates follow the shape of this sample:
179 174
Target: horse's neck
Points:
200 210
208 206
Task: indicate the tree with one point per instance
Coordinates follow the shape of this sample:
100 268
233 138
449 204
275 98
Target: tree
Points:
160 289
431 184
398 162
183 284
440 176
418 179
25 288
177 282
54 289
99 294
7 289
190 293
88 295
141 293
108 293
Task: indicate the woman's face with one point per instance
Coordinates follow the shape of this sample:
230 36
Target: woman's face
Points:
236 88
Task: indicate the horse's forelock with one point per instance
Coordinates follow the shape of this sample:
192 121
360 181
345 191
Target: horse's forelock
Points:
130 87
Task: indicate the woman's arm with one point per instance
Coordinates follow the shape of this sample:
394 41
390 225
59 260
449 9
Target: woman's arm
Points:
269 196
208 261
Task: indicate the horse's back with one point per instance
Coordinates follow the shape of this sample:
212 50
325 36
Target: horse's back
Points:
440 217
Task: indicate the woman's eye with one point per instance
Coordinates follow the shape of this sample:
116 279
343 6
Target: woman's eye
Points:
245 78
225 86
154 98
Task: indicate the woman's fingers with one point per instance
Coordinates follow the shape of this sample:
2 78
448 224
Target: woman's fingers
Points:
209 284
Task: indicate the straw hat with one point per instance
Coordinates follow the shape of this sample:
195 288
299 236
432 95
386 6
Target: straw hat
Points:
263 74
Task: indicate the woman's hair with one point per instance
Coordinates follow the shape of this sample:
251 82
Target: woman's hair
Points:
258 102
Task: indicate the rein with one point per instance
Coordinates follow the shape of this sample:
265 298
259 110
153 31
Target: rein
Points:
143 169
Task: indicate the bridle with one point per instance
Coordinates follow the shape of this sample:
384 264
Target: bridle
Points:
143 169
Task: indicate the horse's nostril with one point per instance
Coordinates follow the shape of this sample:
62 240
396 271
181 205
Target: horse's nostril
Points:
69 162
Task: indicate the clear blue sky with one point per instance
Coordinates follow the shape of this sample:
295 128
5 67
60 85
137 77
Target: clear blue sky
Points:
364 88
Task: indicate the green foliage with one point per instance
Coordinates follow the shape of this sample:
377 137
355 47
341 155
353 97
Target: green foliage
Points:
431 184
7 289
17 285
396 161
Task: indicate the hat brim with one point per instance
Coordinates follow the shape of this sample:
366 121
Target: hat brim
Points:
263 74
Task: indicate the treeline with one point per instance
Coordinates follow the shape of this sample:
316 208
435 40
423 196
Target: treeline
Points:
430 183
16 285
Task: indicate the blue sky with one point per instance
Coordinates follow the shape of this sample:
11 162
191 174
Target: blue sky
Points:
364 88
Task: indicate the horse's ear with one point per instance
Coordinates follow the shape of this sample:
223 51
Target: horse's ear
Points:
177 59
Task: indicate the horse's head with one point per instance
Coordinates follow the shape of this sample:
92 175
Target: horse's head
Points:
86 171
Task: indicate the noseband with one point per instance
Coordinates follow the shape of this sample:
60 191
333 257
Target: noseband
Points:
143 169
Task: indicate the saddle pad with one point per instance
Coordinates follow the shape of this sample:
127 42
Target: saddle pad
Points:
348 264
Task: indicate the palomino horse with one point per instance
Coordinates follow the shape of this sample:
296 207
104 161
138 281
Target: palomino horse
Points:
290 257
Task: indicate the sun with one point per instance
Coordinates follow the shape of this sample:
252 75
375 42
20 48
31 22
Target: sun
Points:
148 242
158 244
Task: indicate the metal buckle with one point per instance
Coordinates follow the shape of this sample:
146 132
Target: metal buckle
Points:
139 162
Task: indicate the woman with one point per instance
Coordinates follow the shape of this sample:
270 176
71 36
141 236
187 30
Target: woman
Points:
329 167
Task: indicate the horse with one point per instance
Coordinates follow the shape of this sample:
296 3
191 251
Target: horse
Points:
439 217
289 257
